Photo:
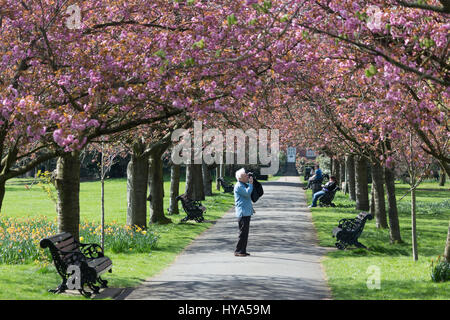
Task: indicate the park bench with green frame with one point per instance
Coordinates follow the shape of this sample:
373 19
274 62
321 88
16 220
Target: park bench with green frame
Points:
226 187
349 230
89 259
194 209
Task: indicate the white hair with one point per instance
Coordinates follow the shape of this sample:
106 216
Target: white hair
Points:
240 173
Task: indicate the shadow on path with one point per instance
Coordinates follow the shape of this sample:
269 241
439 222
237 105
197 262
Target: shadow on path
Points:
284 262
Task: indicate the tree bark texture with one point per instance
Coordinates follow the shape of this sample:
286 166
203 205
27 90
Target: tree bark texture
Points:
137 177
350 178
394 224
379 202
67 185
361 184
156 186
174 189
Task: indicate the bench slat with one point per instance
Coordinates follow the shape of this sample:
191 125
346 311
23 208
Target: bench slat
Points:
60 237
101 265
66 245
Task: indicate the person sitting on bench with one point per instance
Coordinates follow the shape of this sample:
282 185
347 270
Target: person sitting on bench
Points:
328 187
318 176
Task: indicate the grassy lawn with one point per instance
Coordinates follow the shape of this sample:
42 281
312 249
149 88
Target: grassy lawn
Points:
31 281
401 277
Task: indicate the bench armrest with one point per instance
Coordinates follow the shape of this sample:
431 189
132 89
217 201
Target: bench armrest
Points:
91 250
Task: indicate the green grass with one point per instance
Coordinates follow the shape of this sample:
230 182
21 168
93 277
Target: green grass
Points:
401 277
31 281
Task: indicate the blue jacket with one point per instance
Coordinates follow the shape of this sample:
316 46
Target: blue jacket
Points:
242 199
319 174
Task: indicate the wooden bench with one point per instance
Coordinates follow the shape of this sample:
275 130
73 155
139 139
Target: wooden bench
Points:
194 209
327 199
349 230
87 258
226 187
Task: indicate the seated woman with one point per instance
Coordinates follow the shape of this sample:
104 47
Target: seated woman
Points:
328 187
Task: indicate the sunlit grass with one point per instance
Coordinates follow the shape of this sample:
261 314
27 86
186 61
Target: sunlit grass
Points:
401 277
31 280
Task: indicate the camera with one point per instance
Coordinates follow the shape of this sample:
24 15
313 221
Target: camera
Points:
250 174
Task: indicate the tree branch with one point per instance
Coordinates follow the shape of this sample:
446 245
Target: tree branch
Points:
444 9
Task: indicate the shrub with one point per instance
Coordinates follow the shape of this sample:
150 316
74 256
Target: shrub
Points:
440 272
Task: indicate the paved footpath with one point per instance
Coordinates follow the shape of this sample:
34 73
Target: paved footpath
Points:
284 262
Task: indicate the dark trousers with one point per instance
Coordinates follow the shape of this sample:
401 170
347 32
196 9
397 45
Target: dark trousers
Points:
244 226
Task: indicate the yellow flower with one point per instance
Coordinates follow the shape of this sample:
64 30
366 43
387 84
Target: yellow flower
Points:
144 232
81 238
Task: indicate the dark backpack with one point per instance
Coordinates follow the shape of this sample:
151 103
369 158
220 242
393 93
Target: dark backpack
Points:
257 190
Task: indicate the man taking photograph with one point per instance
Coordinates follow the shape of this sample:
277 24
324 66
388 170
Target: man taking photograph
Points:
244 209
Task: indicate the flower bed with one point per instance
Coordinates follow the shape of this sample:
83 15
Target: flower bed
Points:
19 238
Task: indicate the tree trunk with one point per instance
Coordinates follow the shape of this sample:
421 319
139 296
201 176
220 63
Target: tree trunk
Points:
207 180
194 182
331 166
372 202
199 188
342 172
361 185
445 166
442 177
447 245
189 186
217 176
337 171
223 172
413 225
394 224
156 186
379 202
68 189
174 188
350 179
137 177
2 192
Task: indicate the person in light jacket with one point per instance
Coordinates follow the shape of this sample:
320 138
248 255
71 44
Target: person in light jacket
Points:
244 209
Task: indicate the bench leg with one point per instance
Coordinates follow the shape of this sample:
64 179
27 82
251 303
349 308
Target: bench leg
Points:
103 283
340 245
94 288
360 245
60 289
85 293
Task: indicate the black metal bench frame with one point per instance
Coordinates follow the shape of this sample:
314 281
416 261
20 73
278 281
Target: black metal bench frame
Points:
349 230
194 209
89 258
327 199
316 186
225 186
